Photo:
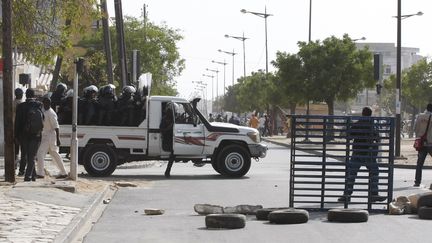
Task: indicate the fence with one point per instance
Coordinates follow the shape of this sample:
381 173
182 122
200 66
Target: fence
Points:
324 161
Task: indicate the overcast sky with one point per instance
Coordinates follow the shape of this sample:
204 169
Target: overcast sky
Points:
203 23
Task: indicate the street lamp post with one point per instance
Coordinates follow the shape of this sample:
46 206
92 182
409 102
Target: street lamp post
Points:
224 64
264 15
232 54
242 38
211 76
362 38
201 86
398 76
308 101
217 83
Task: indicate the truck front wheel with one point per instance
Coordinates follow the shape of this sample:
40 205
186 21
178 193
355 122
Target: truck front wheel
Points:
100 160
233 161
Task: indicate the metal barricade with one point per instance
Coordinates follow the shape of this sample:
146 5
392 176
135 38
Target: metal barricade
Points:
324 161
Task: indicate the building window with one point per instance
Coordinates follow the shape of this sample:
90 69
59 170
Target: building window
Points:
387 70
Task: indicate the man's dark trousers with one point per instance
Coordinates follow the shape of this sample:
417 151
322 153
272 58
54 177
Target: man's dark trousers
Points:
30 146
421 157
353 168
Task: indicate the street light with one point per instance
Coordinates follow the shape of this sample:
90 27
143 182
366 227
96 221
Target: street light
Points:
308 101
217 82
242 38
262 15
201 86
398 75
363 38
211 76
224 64
232 54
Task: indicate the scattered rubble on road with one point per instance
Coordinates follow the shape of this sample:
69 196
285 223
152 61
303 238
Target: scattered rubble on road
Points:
154 211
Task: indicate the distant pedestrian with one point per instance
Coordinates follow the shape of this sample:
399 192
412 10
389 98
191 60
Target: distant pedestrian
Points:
211 118
364 153
254 122
50 141
423 126
267 126
219 118
28 130
234 120
261 125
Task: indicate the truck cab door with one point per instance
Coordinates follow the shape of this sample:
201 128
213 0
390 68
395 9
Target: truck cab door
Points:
188 131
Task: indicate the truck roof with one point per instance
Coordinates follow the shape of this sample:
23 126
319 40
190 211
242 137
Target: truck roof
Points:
169 98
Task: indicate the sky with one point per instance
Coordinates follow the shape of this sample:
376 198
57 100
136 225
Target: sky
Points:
204 23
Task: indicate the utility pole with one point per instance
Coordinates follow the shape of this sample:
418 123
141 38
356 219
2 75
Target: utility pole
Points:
120 40
57 67
107 41
9 154
145 32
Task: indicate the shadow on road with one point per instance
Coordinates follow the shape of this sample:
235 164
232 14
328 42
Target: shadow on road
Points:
160 177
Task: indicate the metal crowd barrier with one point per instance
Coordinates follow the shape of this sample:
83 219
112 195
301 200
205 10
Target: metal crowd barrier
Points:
319 159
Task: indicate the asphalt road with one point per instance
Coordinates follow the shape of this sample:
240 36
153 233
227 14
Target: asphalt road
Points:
265 184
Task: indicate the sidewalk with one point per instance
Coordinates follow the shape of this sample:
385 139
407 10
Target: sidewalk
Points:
408 160
47 210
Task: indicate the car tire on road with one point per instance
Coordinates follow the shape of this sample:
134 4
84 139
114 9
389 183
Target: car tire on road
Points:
424 201
100 160
233 161
425 212
289 216
262 214
347 215
226 221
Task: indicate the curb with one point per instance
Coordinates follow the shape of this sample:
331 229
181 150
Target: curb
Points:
71 231
399 166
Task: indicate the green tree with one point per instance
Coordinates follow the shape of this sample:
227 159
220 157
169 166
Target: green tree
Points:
416 89
39 27
289 80
230 101
159 53
253 92
335 69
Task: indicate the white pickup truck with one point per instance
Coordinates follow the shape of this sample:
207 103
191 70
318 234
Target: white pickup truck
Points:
229 148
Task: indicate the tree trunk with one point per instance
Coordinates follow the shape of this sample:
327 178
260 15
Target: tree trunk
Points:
330 105
9 147
56 73
411 130
293 107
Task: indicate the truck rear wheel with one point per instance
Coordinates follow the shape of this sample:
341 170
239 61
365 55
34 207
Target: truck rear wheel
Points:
100 160
233 161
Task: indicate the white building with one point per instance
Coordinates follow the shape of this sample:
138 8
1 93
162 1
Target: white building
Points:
40 81
409 56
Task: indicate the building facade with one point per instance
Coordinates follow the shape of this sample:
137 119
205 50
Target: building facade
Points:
409 56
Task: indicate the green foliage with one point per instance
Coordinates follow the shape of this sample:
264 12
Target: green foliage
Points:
254 91
230 101
335 69
158 50
40 31
290 79
416 84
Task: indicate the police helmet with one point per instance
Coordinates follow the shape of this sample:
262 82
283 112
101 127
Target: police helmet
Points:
129 90
61 87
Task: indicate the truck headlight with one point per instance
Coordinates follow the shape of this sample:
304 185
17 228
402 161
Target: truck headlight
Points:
254 136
